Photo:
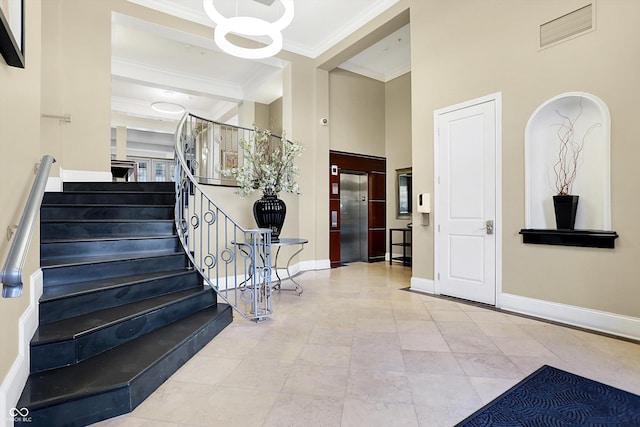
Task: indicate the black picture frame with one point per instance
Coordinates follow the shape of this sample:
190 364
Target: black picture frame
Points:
11 44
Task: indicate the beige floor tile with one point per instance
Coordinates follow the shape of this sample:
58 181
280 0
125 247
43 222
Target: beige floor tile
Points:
294 410
365 316
376 325
287 352
416 326
488 365
229 347
335 336
459 328
444 390
424 342
369 306
449 316
205 405
267 375
471 344
325 355
490 388
441 416
481 308
516 346
203 369
129 421
422 314
355 350
375 341
527 364
440 304
406 305
489 316
428 362
383 386
317 380
359 413
497 329
378 360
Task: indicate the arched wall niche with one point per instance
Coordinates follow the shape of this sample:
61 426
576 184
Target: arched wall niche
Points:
592 181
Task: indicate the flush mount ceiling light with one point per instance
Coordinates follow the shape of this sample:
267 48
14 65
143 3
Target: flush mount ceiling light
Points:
249 26
168 107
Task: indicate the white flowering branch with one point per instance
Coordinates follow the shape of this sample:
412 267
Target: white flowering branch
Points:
268 164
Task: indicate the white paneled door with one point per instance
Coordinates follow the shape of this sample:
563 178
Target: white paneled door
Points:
466 202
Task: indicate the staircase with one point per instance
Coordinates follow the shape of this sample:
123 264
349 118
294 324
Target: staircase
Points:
121 310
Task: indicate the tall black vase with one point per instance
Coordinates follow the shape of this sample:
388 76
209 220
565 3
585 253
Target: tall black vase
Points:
565 208
270 212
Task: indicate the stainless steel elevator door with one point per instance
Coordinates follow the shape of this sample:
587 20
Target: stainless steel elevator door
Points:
353 217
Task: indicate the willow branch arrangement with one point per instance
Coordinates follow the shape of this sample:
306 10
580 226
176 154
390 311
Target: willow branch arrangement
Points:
569 151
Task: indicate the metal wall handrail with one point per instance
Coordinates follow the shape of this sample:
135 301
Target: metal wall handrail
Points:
11 276
235 262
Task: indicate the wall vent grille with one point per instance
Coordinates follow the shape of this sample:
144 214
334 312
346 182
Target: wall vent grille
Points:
567 26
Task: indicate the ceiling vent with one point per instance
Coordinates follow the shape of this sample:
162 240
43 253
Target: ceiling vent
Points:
567 26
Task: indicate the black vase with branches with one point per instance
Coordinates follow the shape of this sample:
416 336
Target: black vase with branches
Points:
566 169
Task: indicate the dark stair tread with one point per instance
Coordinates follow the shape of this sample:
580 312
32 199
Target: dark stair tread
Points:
113 191
79 260
75 327
58 292
99 228
107 205
116 186
117 367
103 221
106 239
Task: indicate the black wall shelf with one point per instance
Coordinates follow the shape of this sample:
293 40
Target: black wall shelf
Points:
583 238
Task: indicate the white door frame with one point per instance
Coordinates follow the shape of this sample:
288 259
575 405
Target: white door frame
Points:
497 98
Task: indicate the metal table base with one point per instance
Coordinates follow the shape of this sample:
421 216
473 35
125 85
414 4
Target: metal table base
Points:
280 244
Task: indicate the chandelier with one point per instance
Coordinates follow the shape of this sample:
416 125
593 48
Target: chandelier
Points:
249 26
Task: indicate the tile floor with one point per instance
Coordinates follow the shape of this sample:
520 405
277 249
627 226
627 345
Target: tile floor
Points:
355 350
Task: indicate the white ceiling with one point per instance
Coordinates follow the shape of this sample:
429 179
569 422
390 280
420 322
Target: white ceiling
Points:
154 63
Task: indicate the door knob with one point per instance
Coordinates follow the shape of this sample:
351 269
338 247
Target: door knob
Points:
488 226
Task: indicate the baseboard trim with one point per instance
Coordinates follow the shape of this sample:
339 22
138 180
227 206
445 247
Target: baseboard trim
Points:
423 285
14 382
302 266
600 321
68 175
317 264
54 184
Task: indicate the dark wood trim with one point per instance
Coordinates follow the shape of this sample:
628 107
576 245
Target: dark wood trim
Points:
582 238
376 169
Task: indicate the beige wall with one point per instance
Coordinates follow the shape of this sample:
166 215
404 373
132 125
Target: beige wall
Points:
357 113
397 140
374 118
275 116
20 145
465 49
261 117
303 103
77 81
